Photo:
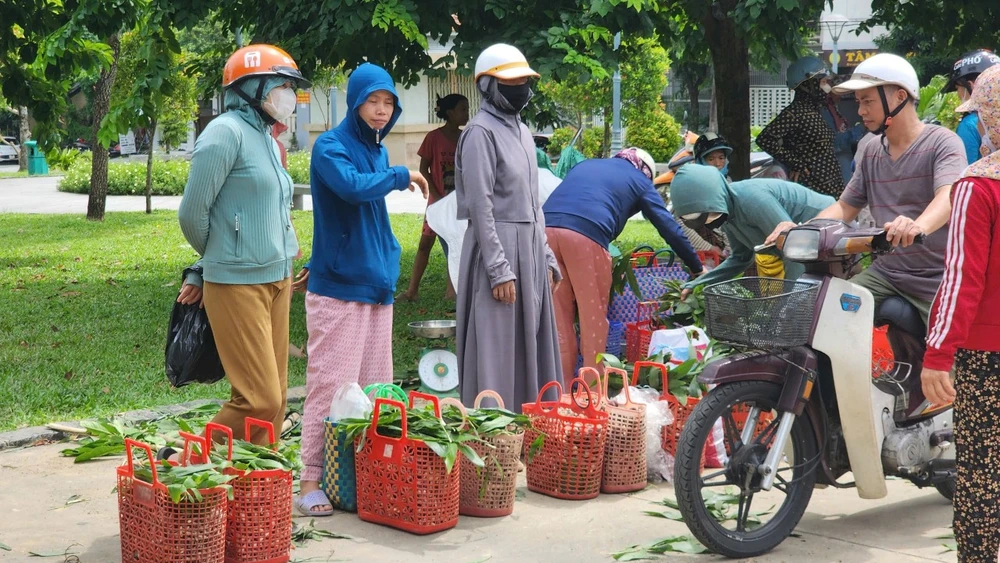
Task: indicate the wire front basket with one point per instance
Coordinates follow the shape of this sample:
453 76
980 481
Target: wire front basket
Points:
764 313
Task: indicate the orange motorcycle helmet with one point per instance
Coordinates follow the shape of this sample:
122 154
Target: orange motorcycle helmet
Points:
261 60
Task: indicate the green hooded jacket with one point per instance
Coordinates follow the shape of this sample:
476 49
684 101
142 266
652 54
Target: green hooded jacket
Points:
754 208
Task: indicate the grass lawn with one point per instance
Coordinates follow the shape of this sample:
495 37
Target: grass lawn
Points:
86 305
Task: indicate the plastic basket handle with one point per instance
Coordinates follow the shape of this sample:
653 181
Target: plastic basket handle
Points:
216 427
625 383
386 391
673 257
461 408
248 425
665 374
392 448
538 400
488 393
187 455
590 409
579 375
129 445
432 399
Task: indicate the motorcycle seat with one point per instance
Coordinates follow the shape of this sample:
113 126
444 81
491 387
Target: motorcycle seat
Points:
899 313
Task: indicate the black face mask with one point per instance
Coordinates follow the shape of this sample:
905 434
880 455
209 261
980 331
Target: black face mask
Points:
518 96
718 222
697 223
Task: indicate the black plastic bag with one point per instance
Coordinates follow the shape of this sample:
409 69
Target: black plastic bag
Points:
191 355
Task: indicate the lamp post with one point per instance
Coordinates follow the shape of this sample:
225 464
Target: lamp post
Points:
834 24
616 103
333 107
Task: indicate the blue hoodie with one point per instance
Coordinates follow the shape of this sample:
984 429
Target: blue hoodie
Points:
355 256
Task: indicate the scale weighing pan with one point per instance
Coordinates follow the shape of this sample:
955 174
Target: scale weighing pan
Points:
433 329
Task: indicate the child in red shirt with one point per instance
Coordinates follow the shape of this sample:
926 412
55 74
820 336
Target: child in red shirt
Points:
965 333
437 164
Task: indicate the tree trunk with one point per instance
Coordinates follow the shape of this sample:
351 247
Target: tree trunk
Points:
99 167
22 158
731 59
606 148
694 109
149 169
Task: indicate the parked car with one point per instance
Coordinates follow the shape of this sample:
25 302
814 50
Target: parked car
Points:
9 153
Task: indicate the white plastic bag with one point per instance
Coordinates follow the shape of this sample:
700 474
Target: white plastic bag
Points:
350 401
442 217
659 464
678 342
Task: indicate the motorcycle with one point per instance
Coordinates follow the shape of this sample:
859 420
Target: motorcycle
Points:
805 405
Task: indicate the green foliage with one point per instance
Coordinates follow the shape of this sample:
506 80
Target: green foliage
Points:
207 45
186 482
937 106
656 132
560 139
129 178
298 166
62 159
591 143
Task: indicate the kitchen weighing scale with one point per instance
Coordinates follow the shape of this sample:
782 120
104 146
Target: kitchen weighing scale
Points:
438 365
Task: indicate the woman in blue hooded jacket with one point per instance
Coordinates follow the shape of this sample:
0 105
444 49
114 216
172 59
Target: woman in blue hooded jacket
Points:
351 277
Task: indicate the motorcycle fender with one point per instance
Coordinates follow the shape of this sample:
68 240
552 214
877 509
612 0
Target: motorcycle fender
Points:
782 368
843 331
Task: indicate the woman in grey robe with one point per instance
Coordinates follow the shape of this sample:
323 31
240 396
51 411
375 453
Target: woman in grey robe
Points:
507 337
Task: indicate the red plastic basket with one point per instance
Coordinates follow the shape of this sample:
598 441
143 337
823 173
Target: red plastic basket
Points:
883 359
709 258
402 483
154 529
639 333
570 463
259 523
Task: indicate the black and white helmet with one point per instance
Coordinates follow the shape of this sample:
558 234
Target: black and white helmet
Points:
969 67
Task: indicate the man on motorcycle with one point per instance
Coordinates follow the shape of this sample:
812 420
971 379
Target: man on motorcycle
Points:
905 177
963 79
746 211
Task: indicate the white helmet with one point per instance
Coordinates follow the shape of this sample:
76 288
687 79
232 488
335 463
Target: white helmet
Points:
880 70
503 61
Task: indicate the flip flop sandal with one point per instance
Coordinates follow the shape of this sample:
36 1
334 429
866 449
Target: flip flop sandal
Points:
316 498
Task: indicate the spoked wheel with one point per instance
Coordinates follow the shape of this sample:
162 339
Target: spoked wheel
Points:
761 519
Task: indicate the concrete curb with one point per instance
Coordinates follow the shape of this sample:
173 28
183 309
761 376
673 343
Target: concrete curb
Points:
24 437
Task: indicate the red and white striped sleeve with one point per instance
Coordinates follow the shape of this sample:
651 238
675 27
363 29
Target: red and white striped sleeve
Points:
966 259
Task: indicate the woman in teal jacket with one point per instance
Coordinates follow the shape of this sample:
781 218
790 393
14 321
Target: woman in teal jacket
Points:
746 211
235 213
351 276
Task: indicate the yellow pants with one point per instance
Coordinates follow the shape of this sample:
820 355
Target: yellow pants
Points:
770 266
250 325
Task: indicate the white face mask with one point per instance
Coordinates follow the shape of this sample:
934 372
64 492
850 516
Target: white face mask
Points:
826 87
280 103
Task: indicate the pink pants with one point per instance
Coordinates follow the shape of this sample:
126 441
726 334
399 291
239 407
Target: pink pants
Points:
584 292
349 342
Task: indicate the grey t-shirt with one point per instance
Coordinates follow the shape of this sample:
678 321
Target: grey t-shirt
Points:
906 187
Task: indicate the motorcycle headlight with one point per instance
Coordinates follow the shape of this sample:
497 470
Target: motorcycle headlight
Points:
801 245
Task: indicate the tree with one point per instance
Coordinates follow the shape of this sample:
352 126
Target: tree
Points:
733 29
923 52
325 78
947 29
98 196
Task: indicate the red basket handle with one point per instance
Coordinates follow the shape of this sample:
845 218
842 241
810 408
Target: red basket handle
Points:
488 393
625 383
538 400
129 444
249 423
579 375
645 364
187 455
590 409
392 448
432 399
216 427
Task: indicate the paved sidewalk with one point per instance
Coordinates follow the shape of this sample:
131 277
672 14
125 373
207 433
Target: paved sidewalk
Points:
40 195
36 483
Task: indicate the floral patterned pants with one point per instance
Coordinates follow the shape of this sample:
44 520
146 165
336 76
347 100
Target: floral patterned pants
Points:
977 443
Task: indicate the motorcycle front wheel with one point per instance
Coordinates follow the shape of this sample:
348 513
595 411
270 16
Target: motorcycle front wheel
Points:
702 496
